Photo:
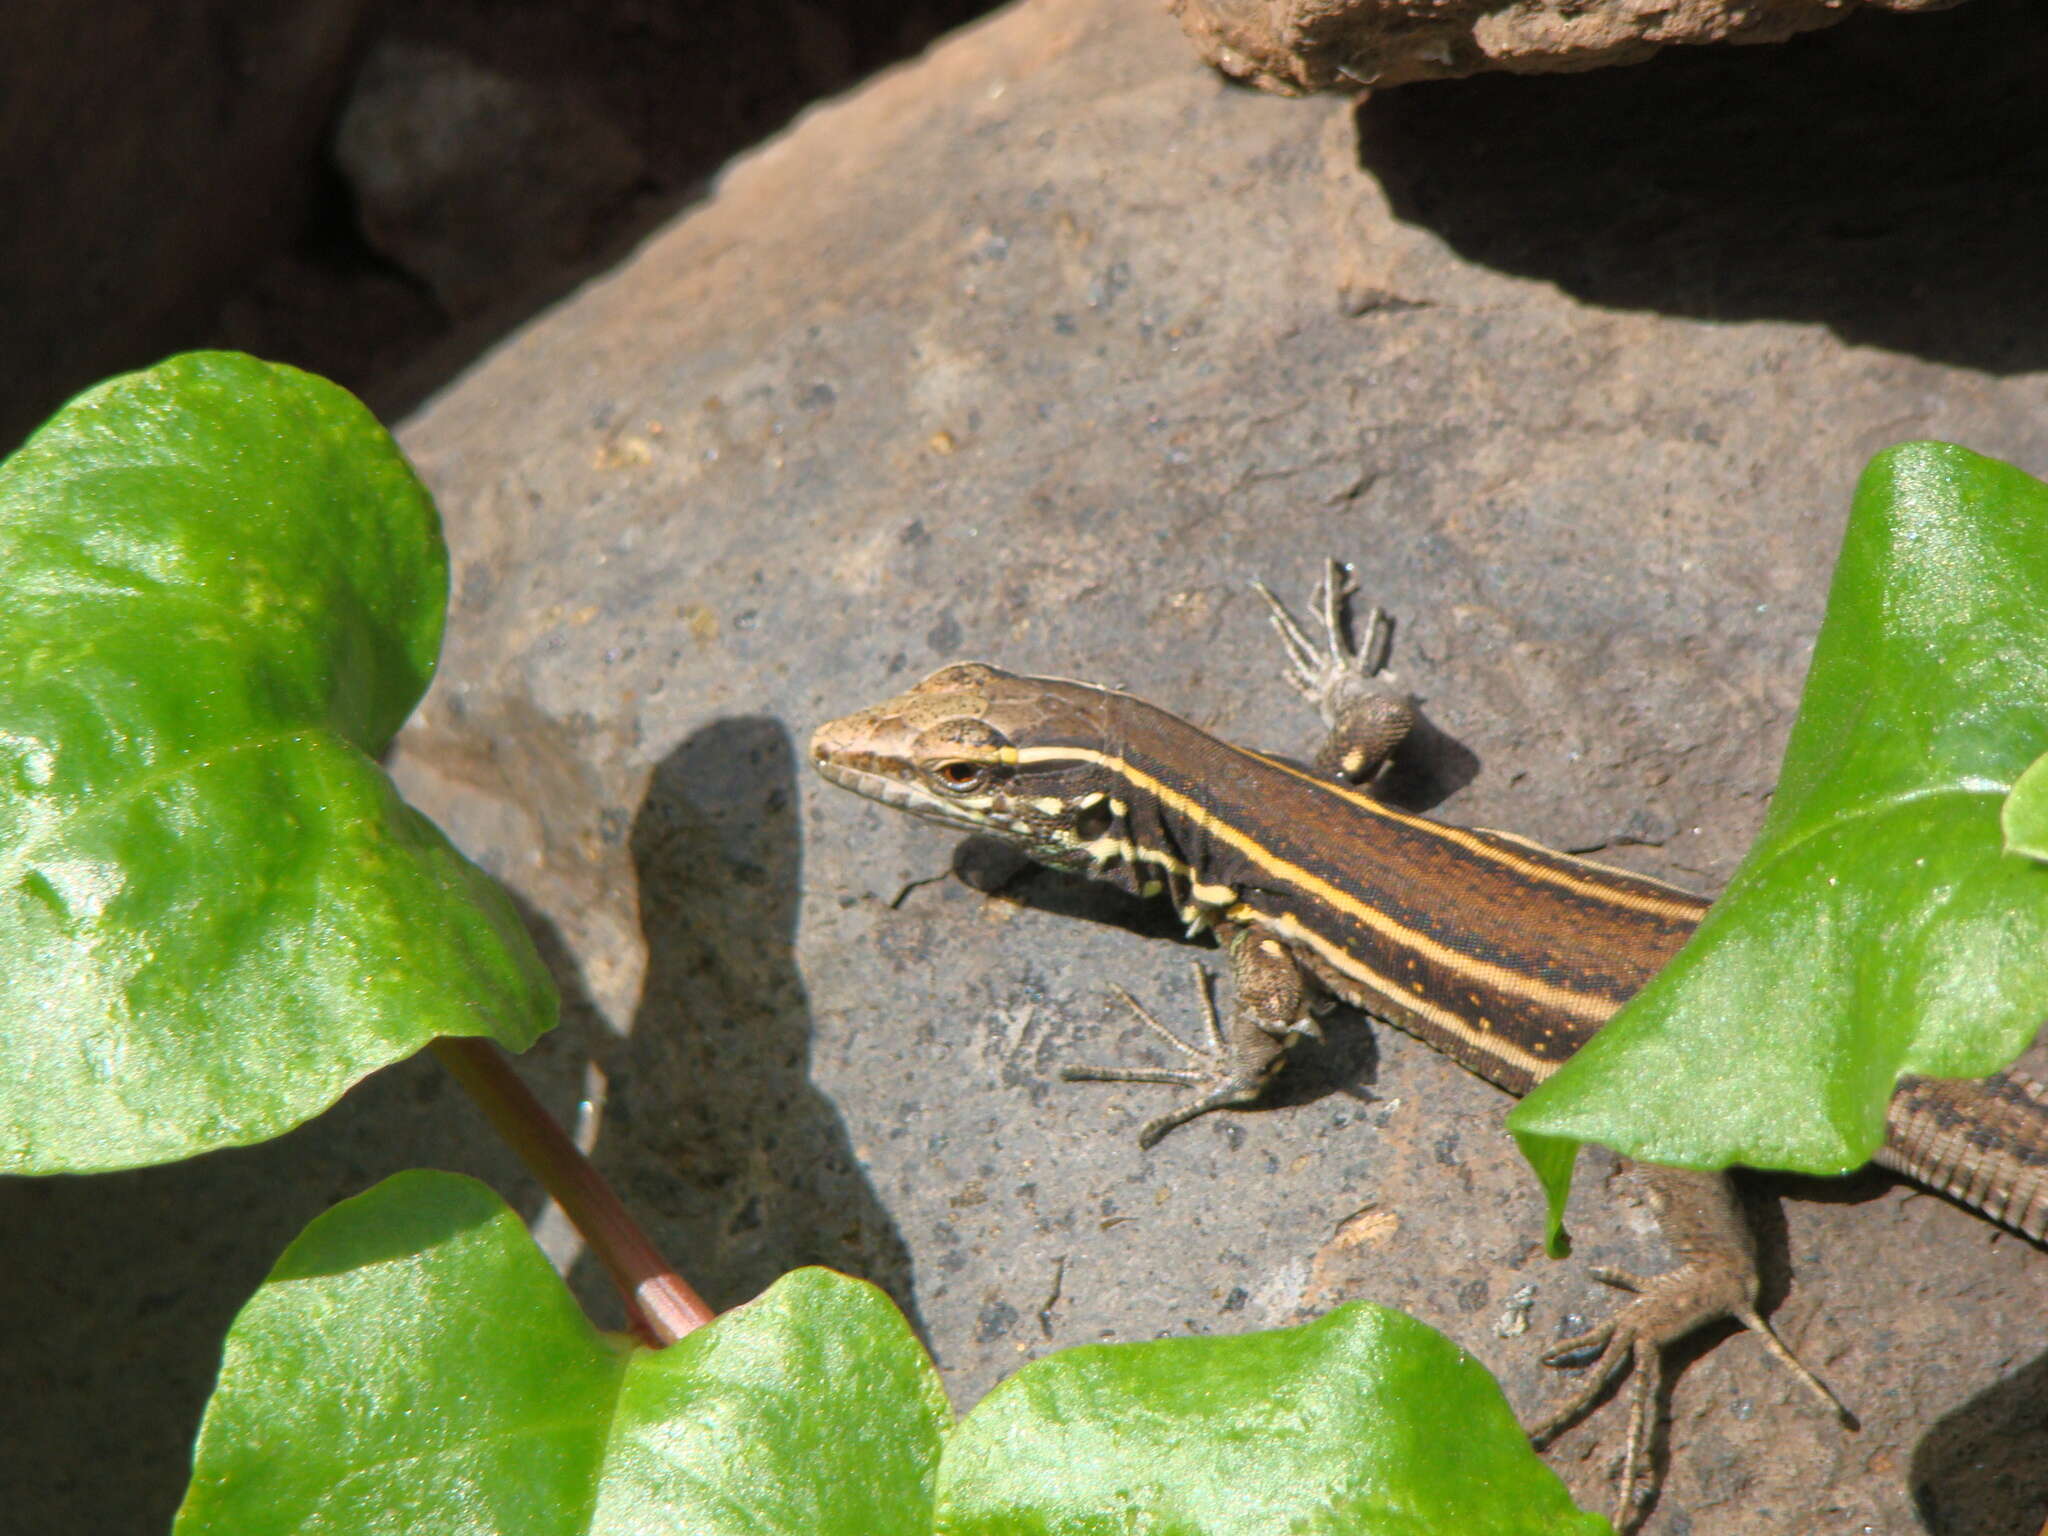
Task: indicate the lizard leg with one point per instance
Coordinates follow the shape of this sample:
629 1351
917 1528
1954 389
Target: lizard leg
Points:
1716 1278
1237 1060
1365 719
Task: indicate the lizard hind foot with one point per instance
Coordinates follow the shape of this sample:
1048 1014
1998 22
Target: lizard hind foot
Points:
1667 1308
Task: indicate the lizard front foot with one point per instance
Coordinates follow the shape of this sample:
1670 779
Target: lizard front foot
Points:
1221 1076
1717 1279
1366 719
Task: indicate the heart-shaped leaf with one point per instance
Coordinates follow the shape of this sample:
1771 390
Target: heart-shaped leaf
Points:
1878 926
413 1364
225 590
1362 1423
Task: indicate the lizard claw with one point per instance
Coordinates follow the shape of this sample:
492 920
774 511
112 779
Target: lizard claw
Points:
1329 669
1222 1084
1346 682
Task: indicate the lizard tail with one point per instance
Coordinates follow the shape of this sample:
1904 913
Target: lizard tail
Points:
1981 1141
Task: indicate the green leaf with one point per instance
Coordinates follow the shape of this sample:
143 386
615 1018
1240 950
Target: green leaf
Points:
2025 817
224 594
810 1411
413 1364
1878 926
1363 1423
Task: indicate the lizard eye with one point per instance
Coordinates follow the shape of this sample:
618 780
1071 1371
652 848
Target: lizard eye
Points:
960 773
959 755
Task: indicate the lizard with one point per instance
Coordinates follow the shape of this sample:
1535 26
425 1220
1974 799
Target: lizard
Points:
1503 954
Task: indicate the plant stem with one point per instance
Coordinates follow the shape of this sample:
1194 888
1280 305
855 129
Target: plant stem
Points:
659 1302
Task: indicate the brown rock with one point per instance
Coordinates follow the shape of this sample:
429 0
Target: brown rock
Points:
1294 46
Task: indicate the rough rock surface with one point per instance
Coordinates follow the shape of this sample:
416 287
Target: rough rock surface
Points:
1292 46
1038 350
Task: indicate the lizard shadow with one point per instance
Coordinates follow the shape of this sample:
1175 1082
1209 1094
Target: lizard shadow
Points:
1429 767
1982 1469
713 1132
1882 177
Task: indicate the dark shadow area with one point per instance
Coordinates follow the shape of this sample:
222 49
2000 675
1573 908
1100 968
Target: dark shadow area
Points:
1887 178
1347 1060
993 867
1431 766
689 86
1763 1204
713 1133
115 283
1858 1188
119 1288
1982 1470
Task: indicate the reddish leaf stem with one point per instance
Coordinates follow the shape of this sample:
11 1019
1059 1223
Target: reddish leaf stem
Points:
660 1303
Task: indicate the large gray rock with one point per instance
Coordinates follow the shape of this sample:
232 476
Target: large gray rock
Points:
1038 351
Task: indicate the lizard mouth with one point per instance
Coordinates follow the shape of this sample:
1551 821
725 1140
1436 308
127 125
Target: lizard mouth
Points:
897 795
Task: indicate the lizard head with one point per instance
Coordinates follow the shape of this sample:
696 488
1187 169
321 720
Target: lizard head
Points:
969 747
